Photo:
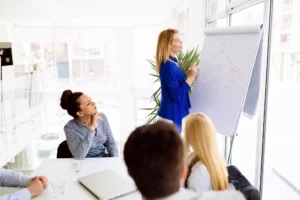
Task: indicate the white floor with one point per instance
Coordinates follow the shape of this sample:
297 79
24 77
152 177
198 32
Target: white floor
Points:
276 189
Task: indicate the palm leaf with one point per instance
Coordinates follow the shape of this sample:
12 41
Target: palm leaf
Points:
155 75
146 108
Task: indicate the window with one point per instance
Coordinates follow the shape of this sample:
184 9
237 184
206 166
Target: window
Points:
281 170
248 16
22 53
62 60
218 23
141 114
94 63
49 55
215 7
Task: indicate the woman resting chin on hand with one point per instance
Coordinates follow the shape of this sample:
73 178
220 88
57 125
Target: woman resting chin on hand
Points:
88 133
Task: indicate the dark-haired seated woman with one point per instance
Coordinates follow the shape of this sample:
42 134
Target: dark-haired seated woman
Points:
88 133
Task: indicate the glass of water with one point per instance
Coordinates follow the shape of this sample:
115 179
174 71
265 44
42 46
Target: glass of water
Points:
76 164
58 185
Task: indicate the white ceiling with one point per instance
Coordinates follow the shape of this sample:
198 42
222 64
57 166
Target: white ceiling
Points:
84 12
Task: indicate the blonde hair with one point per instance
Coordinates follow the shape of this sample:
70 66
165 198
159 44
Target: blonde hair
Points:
200 134
163 46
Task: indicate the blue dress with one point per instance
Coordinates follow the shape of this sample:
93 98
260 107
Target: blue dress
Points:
175 101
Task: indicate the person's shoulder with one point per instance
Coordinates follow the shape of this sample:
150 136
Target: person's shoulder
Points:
221 195
74 125
171 63
186 194
71 124
167 66
200 168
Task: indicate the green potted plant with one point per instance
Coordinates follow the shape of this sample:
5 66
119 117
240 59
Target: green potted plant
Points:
185 59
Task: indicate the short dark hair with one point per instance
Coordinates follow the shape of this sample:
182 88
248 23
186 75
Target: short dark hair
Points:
68 101
154 156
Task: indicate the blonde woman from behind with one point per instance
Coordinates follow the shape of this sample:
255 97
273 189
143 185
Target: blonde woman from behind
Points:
207 167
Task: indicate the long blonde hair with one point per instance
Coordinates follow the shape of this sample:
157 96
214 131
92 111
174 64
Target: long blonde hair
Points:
163 46
200 135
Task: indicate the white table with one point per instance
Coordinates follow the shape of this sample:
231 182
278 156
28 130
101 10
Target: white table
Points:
53 168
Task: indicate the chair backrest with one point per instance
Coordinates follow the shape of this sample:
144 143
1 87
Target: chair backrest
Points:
241 183
63 150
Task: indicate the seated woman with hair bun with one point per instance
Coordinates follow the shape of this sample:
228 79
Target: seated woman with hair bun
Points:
88 133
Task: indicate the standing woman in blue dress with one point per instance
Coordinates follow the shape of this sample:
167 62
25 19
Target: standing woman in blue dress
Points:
175 102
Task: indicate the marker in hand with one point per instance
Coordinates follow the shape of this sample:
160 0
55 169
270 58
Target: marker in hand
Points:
188 69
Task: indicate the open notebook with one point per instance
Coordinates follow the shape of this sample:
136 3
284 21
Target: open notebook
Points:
107 185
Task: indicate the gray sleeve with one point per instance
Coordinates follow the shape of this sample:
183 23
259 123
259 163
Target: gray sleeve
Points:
79 140
9 178
110 143
23 194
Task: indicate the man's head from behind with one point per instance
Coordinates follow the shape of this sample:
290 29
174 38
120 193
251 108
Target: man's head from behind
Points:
154 156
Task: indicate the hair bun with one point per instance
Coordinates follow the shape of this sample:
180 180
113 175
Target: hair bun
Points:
64 100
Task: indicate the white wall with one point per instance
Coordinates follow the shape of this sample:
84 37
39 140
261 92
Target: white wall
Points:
189 17
144 43
99 12
196 23
126 96
4 33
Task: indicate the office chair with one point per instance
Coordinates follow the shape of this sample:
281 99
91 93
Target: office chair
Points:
63 150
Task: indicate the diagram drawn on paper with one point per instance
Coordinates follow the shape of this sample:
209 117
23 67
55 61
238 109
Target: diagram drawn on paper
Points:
224 44
222 70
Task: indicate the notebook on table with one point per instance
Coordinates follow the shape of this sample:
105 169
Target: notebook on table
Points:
107 185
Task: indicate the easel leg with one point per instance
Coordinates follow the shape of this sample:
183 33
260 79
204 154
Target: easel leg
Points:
225 147
229 159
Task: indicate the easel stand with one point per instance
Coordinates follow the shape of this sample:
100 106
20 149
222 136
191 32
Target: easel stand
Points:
2 107
229 157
